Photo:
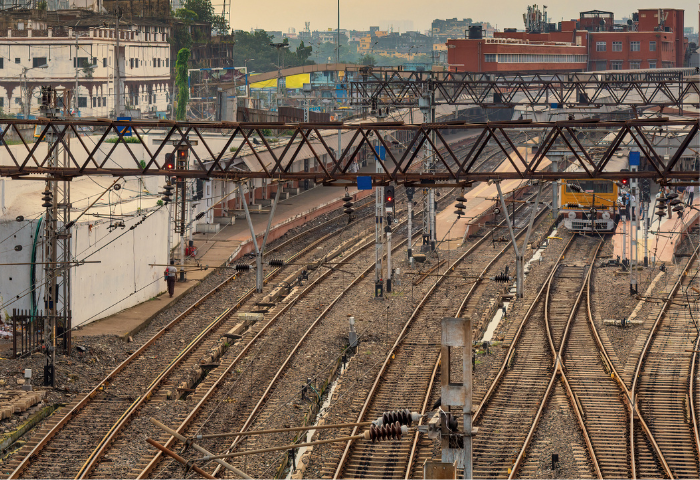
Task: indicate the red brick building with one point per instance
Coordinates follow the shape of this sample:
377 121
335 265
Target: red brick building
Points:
515 55
653 39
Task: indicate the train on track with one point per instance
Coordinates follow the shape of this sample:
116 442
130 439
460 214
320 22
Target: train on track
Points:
589 205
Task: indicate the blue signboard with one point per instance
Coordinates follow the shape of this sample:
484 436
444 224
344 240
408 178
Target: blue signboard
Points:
126 131
364 183
635 159
381 151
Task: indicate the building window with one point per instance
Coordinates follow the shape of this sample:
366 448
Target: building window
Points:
80 62
16 60
652 63
652 46
104 62
635 65
616 64
17 101
38 61
490 57
82 102
94 102
616 46
167 62
2 62
104 101
634 46
599 46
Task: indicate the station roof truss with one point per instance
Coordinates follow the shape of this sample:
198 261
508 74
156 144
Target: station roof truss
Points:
273 157
647 88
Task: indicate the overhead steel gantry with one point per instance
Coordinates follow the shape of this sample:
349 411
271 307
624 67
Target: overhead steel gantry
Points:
279 158
658 87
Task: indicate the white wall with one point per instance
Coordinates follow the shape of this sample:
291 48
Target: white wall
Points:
99 289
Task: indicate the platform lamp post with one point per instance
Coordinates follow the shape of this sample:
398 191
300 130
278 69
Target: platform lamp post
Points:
247 80
279 46
27 93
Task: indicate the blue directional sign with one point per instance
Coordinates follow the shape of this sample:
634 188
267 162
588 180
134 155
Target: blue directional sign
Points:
364 183
125 130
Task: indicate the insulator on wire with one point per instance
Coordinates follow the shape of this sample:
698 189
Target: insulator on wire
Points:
385 432
403 417
661 213
459 213
502 278
200 215
460 206
461 199
276 262
348 204
671 196
678 208
347 198
242 266
349 211
675 202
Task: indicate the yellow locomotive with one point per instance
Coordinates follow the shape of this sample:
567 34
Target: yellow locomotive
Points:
589 205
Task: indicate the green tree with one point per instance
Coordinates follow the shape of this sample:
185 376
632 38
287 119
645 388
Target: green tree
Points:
203 11
368 60
256 46
183 93
303 52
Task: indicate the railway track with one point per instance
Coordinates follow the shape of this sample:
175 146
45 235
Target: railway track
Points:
406 379
89 422
531 367
318 296
664 387
107 408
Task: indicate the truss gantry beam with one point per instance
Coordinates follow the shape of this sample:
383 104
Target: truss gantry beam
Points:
283 147
661 88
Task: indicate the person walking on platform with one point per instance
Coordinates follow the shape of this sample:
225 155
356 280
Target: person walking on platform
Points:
170 277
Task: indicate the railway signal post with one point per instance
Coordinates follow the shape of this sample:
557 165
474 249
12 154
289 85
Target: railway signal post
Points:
410 191
634 160
519 252
457 332
259 250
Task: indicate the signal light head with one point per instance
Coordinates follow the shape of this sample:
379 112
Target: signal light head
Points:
169 165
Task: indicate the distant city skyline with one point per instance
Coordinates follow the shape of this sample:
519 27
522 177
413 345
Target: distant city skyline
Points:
407 15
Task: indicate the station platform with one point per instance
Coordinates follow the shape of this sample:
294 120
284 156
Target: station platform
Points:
664 239
480 201
230 243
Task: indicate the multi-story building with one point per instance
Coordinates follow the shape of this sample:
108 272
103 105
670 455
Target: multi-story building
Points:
653 38
65 48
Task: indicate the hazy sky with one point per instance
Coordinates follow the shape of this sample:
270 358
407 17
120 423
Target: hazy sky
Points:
418 14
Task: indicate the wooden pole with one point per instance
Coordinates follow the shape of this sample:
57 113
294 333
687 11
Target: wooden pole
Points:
282 430
175 434
284 447
178 458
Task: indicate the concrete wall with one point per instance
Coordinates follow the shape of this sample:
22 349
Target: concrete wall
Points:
122 279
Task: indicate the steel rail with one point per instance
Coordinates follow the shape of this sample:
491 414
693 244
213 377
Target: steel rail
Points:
559 370
499 376
112 375
399 341
251 417
640 364
461 308
96 455
190 417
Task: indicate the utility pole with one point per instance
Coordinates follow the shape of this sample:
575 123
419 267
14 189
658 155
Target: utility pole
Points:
337 53
429 236
410 191
57 319
77 66
117 71
180 207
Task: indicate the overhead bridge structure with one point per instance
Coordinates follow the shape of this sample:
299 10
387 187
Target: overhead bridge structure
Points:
636 88
271 156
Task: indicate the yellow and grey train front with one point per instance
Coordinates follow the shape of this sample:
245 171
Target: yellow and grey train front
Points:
589 205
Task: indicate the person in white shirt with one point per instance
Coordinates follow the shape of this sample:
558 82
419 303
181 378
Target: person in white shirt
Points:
170 277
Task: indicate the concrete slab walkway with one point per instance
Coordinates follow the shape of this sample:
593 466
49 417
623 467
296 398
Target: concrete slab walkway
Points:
230 243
